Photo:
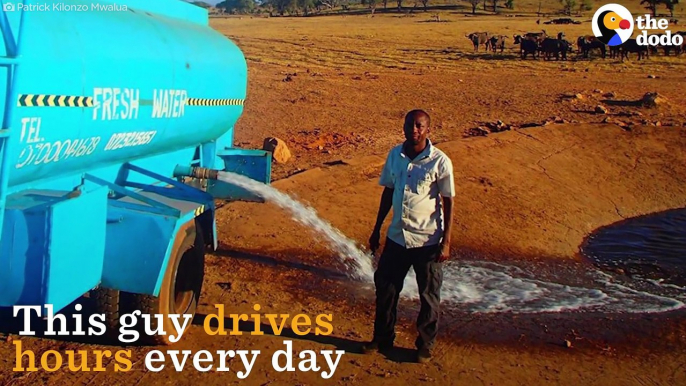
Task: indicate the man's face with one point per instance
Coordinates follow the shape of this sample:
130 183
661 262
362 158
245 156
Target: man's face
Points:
416 129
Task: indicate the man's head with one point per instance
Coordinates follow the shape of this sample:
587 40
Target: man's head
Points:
416 128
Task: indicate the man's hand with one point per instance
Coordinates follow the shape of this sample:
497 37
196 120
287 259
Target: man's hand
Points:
445 252
374 241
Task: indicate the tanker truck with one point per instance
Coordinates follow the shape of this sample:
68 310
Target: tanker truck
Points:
116 116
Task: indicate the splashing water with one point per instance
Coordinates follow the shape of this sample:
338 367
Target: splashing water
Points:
360 263
489 287
475 286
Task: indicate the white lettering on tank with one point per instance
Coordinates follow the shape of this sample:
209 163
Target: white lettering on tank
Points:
130 139
115 103
134 99
50 152
30 130
182 103
175 107
97 95
165 105
125 103
107 104
168 103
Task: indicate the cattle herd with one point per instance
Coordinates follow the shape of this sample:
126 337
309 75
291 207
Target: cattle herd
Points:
537 44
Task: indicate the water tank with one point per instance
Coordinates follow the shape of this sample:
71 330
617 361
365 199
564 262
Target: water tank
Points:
99 83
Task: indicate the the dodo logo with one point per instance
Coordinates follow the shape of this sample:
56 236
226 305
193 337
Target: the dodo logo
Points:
613 24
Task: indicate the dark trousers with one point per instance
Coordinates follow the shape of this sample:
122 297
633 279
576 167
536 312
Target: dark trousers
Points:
394 264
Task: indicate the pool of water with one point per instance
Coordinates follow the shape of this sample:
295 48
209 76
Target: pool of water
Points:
652 247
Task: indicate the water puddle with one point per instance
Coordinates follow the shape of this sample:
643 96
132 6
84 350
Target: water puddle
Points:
651 248
484 287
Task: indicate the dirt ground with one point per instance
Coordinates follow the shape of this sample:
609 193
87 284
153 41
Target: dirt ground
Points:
335 89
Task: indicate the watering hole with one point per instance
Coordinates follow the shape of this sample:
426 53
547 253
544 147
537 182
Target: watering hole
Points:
651 247
487 287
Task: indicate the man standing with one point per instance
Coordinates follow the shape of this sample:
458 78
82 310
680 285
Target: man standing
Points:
419 184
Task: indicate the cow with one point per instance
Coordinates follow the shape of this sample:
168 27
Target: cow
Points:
556 47
632 46
667 48
653 49
479 38
537 36
498 42
681 49
580 44
550 47
587 43
528 46
615 52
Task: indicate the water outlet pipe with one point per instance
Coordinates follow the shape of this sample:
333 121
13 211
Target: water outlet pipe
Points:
196 172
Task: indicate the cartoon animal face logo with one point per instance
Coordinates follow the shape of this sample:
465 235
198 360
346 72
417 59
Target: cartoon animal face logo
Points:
613 24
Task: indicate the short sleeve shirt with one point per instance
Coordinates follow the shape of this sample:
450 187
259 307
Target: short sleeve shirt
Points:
418 186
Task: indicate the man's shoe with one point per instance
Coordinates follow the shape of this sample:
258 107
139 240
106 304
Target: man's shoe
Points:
423 355
373 346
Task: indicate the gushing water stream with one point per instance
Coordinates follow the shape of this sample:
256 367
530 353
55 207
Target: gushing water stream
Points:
476 286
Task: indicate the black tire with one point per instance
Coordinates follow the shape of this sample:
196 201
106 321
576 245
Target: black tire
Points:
108 302
181 286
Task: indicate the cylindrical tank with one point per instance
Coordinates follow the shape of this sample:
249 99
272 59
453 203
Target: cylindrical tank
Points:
101 83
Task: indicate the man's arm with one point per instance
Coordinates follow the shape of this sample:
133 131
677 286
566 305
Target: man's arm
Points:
446 184
387 181
384 208
445 243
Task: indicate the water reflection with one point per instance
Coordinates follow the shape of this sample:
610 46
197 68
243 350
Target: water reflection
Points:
652 246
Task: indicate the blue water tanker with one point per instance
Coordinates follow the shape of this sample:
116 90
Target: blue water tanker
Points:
116 116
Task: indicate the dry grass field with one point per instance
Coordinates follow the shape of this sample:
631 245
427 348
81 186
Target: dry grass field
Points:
343 82
335 89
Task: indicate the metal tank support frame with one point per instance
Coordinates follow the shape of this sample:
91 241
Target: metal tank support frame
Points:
11 61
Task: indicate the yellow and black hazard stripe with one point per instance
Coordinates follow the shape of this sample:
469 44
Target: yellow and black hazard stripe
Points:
43 100
213 102
46 100
199 210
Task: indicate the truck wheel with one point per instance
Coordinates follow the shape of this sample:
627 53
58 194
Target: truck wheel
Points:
181 285
109 302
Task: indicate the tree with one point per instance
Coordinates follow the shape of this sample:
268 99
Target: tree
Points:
201 4
509 4
586 5
495 5
671 4
400 4
474 3
237 6
372 5
330 4
653 4
305 5
281 6
568 6
425 3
